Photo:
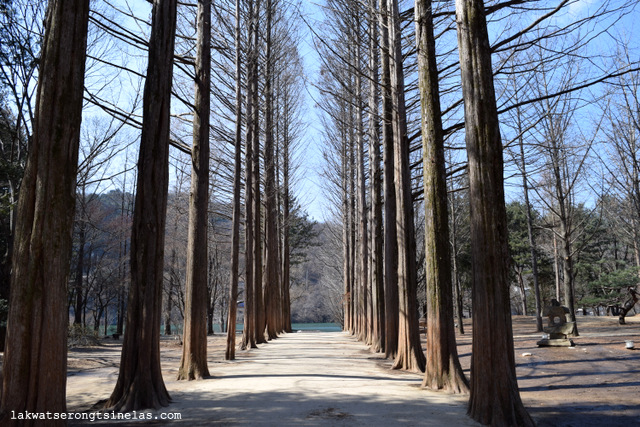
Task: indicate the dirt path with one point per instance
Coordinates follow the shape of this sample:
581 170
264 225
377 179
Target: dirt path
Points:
313 378
307 378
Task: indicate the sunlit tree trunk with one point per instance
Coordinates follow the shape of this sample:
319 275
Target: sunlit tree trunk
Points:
248 332
410 356
271 288
35 357
375 182
361 200
230 352
194 350
495 398
140 384
258 300
443 370
390 233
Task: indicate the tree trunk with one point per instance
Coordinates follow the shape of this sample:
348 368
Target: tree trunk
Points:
35 357
454 259
495 398
271 288
634 296
79 288
230 352
168 304
556 265
248 332
375 180
193 364
123 265
532 241
443 370
361 200
390 233
286 250
410 356
140 384
346 242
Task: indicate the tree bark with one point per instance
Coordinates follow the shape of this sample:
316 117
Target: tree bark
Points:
286 250
375 182
248 332
634 297
443 370
346 242
194 350
140 384
271 286
361 200
230 352
410 356
258 300
35 358
389 194
495 398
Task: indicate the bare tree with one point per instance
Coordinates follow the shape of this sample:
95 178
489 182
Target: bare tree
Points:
390 233
443 370
193 364
410 356
34 366
230 352
272 288
495 398
249 330
140 384
375 188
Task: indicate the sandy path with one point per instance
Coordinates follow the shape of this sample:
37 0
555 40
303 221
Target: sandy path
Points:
307 378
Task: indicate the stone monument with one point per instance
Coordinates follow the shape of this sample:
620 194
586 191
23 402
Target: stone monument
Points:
558 329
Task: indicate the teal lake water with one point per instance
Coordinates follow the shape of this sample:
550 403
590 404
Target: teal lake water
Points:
322 327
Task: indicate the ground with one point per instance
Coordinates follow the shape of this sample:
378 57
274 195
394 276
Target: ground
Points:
320 378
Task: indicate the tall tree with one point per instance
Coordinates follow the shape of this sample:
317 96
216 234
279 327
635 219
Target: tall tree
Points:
271 285
230 352
194 350
495 398
375 184
410 356
443 369
258 299
389 195
35 358
249 330
140 384
361 195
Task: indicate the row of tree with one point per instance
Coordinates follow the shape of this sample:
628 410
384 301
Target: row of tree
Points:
130 267
387 86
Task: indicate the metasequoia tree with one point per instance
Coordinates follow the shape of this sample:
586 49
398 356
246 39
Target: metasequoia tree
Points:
258 297
35 358
271 285
410 356
375 188
362 238
390 257
495 398
249 330
140 384
230 352
193 364
443 370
